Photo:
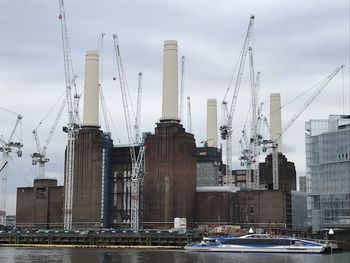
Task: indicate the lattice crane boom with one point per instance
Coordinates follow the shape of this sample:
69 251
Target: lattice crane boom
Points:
322 85
226 127
240 71
102 97
7 147
39 157
123 89
138 109
136 162
273 143
73 119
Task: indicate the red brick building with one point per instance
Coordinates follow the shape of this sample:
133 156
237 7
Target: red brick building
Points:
40 206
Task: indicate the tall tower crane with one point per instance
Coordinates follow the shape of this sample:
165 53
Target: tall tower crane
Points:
39 157
273 143
7 146
73 119
227 116
137 164
250 153
102 98
138 109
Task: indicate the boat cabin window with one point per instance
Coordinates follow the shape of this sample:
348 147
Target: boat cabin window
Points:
209 240
258 236
297 243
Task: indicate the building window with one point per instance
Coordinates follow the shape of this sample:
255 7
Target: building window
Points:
40 192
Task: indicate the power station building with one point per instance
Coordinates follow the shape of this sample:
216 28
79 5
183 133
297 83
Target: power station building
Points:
91 157
91 162
170 158
170 181
180 180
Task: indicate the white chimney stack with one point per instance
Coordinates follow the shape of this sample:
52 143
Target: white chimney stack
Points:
212 123
91 89
275 118
170 81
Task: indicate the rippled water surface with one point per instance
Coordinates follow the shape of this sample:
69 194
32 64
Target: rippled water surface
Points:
87 255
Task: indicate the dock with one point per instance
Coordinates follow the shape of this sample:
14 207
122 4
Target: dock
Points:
116 240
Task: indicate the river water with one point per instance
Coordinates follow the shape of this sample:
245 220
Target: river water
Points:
87 255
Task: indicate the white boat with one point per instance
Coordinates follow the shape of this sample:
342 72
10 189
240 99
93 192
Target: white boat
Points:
257 243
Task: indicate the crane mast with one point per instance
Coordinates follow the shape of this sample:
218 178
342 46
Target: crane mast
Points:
137 164
138 109
254 138
226 127
123 89
256 142
273 143
73 119
7 147
102 98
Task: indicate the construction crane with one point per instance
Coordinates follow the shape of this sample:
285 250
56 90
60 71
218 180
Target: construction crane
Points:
250 153
182 90
189 115
273 143
7 146
72 127
137 164
102 98
39 157
138 110
227 115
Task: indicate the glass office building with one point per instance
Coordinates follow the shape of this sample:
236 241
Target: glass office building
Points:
327 145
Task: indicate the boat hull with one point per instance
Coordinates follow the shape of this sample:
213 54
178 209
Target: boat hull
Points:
247 249
257 243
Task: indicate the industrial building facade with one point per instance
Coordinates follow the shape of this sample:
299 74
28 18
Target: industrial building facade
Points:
119 187
40 206
256 208
327 144
170 180
91 167
286 173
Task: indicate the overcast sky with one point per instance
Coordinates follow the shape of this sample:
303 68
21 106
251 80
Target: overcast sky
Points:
296 44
